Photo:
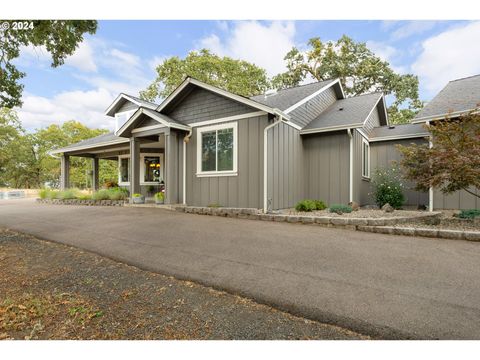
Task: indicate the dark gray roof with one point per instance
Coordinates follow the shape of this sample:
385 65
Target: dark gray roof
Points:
283 99
148 104
94 142
458 96
345 112
404 130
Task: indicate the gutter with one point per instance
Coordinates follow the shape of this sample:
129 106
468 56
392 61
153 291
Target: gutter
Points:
279 119
350 179
186 139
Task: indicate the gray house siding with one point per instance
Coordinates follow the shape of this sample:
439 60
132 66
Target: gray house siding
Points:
314 107
326 164
383 155
361 185
457 200
202 105
285 167
127 105
244 190
372 121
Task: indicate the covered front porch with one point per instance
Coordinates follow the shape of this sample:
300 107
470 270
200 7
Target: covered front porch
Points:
150 158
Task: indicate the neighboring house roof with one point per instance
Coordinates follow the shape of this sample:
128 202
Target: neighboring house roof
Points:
284 99
98 141
120 100
345 113
457 97
396 132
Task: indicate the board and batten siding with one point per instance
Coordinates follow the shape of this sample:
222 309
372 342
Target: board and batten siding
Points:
326 167
383 155
244 190
285 167
305 113
458 200
201 105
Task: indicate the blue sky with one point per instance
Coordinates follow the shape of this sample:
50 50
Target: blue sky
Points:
122 55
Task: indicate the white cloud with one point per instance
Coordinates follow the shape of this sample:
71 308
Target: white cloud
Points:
83 58
414 27
265 45
84 106
387 53
449 55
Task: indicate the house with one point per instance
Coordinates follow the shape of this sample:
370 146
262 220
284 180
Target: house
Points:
209 146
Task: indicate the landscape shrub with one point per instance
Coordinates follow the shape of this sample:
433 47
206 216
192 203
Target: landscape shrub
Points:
44 193
68 194
310 205
469 214
340 209
102 194
388 187
117 193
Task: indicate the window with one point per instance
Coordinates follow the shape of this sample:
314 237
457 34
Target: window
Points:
124 171
217 150
365 159
151 168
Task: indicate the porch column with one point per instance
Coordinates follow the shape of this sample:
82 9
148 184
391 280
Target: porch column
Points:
172 164
64 172
95 170
134 166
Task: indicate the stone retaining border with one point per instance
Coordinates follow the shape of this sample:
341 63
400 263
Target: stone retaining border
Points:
424 232
82 202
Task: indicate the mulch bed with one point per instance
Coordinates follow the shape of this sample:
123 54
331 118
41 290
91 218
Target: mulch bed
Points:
52 291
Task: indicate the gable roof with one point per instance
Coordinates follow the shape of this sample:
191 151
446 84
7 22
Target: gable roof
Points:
457 97
98 141
122 98
189 82
286 98
403 131
345 113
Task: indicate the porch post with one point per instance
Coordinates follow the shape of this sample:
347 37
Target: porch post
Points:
134 166
95 170
172 167
64 172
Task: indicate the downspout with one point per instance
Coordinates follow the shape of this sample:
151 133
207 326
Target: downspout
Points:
279 119
350 135
430 189
186 139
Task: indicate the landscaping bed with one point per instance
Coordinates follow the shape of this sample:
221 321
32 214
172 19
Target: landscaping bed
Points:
53 291
361 213
83 202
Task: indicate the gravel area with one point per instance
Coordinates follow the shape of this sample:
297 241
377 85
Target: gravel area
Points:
52 291
361 213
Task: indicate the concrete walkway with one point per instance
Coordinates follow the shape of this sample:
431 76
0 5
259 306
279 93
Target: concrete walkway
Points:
383 285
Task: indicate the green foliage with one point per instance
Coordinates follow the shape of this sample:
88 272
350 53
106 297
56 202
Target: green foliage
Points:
237 76
214 205
68 194
136 195
160 195
388 187
359 69
452 163
117 193
44 193
469 214
102 194
310 205
340 209
59 37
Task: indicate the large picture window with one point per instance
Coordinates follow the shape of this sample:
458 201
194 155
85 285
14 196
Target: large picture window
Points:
365 159
217 150
151 171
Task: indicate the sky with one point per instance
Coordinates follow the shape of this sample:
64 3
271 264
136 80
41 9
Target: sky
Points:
122 56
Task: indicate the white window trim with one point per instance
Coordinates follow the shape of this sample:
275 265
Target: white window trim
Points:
142 169
200 130
365 142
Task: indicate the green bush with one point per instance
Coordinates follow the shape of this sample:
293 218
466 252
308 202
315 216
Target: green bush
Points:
117 193
84 197
102 194
340 209
137 195
388 187
469 214
44 193
310 205
68 194
320 205
160 195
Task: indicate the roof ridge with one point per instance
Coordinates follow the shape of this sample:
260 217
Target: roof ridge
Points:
463 78
296 87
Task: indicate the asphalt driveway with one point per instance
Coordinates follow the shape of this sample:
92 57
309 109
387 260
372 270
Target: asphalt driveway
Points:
381 285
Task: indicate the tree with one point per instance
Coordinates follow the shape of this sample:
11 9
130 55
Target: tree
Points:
59 37
359 69
452 163
237 76
10 131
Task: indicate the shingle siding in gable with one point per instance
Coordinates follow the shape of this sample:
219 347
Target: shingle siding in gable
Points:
372 122
314 107
127 105
202 105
